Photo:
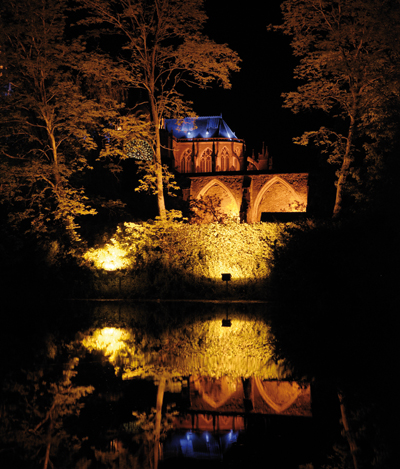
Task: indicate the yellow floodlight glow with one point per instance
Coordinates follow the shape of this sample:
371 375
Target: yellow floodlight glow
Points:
110 258
110 340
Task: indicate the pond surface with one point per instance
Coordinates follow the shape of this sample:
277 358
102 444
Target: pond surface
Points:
172 385
227 401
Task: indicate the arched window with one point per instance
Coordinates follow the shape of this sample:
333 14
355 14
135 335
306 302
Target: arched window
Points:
185 161
224 159
208 164
205 161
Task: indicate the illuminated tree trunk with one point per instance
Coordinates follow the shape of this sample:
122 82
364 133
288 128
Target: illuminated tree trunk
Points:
340 185
160 398
348 433
159 175
56 171
344 170
159 182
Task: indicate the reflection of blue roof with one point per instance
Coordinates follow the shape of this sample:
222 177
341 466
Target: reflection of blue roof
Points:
199 127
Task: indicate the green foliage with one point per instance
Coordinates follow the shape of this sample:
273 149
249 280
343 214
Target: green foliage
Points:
148 183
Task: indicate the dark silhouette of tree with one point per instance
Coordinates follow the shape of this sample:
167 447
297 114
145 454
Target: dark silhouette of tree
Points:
334 322
349 65
37 404
207 210
163 50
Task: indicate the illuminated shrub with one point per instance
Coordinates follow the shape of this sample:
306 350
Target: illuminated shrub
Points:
200 250
117 253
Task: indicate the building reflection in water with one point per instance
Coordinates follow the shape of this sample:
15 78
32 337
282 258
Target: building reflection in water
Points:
218 413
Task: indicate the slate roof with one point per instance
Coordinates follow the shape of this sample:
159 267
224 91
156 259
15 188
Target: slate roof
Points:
199 127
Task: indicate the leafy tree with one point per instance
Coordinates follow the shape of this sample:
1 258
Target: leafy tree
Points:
48 122
207 210
148 183
349 66
164 49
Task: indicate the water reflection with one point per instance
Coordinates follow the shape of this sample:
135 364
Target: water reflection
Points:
222 381
219 412
167 384
199 445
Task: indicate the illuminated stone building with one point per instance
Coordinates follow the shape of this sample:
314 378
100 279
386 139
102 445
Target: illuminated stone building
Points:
214 160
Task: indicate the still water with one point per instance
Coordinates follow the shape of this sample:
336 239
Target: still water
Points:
225 401
135 385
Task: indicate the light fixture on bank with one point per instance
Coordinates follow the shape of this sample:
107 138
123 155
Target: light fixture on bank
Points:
226 277
226 322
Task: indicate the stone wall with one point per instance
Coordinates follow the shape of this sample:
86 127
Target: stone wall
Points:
248 195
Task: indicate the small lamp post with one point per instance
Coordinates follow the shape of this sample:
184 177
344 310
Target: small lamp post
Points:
226 322
226 278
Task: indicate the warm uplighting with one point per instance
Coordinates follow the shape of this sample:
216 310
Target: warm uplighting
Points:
109 258
205 251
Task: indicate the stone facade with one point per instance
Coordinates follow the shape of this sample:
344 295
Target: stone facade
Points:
213 158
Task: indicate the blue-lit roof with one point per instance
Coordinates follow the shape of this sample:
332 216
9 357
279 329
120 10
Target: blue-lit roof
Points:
199 127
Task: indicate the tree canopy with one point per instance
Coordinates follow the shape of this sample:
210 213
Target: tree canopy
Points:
163 50
349 66
49 120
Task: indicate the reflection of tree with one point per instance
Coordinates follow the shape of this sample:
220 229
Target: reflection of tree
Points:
39 407
168 351
151 429
343 340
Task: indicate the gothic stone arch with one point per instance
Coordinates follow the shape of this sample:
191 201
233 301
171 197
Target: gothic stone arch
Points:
278 195
229 204
251 194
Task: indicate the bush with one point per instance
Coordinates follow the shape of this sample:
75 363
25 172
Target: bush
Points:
176 257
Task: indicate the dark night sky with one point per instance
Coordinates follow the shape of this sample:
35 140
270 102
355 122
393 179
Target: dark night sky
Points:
253 107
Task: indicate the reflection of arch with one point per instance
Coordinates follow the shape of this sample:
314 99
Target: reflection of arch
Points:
266 187
215 392
279 395
216 182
